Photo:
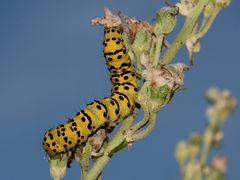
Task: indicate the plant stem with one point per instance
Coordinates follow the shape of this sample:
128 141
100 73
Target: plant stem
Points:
102 161
208 23
141 134
157 49
206 147
143 121
186 30
84 159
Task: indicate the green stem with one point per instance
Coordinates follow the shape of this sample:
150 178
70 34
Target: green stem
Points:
158 47
139 64
204 155
208 23
141 134
206 148
186 30
102 161
84 157
143 99
143 121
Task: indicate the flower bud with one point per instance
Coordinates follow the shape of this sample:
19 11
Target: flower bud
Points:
223 3
194 144
181 152
166 20
208 10
142 42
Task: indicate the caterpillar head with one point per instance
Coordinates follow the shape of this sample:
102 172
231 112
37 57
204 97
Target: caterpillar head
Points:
58 140
51 143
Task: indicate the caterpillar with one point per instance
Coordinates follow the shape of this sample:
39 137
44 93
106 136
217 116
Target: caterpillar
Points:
105 113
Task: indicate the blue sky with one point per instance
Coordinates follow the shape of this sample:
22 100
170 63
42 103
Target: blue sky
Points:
51 65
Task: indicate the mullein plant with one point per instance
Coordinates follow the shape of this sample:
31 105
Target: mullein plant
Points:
152 54
193 154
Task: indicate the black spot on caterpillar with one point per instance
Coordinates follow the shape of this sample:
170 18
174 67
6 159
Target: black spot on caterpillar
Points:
105 113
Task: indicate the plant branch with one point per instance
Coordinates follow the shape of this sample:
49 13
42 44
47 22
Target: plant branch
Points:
206 147
157 49
143 121
101 162
84 157
186 30
208 23
141 134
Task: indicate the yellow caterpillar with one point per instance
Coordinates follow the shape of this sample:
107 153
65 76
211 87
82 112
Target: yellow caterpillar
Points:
105 113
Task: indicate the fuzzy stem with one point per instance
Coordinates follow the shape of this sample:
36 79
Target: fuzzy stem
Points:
143 121
139 64
84 159
157 49
206 147
204 154
208 23
186 30
102 161
141 134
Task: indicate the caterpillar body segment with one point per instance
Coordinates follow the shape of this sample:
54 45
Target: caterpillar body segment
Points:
105 113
